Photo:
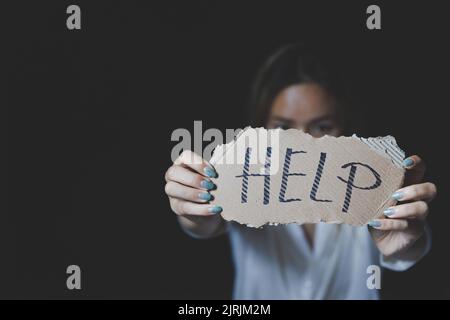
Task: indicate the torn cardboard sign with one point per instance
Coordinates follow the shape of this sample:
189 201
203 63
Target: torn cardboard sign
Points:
287 176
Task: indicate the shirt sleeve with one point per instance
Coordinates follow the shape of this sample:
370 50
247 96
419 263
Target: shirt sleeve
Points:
397 264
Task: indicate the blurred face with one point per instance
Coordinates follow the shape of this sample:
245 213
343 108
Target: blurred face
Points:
307 107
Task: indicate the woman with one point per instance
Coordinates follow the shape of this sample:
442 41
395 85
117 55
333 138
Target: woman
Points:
297 88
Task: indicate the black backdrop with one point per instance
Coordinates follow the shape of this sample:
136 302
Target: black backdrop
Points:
90 114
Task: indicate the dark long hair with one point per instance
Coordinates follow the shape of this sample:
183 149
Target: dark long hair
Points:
296 64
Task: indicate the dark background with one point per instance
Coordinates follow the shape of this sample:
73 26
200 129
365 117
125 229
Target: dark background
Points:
90 114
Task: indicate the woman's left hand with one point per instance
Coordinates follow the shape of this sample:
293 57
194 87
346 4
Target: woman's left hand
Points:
403 224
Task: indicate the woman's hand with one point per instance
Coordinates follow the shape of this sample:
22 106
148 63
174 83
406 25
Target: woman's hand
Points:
188 184
404 223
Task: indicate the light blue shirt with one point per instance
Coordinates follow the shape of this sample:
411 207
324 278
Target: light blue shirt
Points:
276 262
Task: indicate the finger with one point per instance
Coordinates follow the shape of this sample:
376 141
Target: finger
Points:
413 210
415 170
188 178
389 224
196 163
423 191
182 207
182 192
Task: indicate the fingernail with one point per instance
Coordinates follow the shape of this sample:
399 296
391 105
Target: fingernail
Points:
389 212
207 184
210 172
408 162
205 196
398 195
215 209
374 224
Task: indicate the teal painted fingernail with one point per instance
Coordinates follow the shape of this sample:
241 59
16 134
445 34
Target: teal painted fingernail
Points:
205 196
408 162
207 184
389 212
210 172
374 224
215 209
398 195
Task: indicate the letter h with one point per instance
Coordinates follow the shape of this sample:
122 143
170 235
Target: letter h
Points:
246 173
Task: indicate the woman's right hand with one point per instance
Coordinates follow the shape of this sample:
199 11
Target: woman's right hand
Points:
188 182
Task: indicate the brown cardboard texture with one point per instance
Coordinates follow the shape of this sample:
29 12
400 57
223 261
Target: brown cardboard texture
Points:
287 176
